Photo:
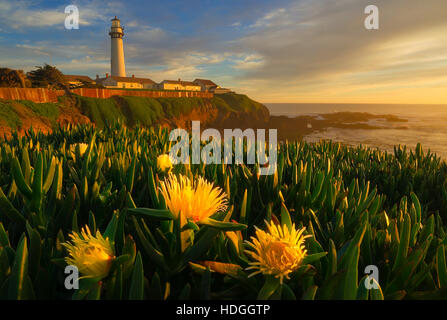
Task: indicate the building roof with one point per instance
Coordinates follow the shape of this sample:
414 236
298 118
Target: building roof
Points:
205 82
183 83
128 79
70 77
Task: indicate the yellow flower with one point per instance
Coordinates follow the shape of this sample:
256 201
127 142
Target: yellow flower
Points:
92 255
278 252
196 201
82 148
164 162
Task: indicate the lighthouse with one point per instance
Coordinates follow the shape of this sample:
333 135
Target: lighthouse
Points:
117 50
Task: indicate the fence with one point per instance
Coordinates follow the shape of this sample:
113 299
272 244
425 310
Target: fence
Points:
41 95
33 94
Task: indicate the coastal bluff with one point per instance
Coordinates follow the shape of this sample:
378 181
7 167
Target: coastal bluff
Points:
176 110
166 109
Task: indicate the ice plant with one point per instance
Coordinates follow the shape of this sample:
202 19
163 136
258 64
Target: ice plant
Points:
91 254
277 252
196 200
234 238
164 162
82 148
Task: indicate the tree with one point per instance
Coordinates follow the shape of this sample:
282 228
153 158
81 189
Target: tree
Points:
47 77
13 78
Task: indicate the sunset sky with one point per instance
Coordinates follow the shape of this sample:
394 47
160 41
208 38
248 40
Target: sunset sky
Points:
274 51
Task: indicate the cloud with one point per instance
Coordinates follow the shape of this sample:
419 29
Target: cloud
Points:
247 62
270 18
69 51
187 66
325 42
85 66
300 50
18 14
69 58
24 14
38 50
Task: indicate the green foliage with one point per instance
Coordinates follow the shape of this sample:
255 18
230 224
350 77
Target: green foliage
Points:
8 114
13 78
174 107
100 111
47 110
47 76
145 111
361 207
236 103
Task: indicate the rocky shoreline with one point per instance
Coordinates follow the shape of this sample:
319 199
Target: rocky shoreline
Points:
297 127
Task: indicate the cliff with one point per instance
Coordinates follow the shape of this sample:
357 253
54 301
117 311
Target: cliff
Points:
221 111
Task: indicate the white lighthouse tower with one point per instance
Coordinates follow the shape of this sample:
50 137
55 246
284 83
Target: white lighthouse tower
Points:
117 53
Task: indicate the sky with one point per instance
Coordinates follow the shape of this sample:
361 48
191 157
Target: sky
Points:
301 51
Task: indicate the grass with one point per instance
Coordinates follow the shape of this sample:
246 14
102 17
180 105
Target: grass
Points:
8 114
130 110
236 103
147 111
175 107
100 111
47 110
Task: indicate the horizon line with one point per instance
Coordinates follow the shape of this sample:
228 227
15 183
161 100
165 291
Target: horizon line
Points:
354 103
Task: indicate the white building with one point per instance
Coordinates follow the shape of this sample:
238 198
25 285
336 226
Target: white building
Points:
209 86
178 85
116 82
205 84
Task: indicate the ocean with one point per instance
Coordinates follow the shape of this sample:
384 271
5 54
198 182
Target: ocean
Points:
426 124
